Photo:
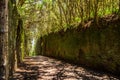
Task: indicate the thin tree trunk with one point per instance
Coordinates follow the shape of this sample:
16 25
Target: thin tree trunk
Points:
18 42
96 11
61 19
119 7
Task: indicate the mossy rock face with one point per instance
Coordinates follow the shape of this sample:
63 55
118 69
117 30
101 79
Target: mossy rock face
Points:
93 47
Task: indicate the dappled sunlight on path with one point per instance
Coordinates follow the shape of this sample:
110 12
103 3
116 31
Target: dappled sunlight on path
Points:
44 68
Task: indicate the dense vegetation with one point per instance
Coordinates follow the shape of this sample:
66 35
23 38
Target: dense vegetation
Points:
24 22
52 15
45 16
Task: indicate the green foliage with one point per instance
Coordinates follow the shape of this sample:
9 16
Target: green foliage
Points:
49 15
42 17
77 19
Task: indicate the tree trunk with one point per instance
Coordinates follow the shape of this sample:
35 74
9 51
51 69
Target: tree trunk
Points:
18 42
3 39
96 11
119 7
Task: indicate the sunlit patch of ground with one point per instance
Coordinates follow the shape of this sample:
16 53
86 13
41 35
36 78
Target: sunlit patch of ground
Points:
44 68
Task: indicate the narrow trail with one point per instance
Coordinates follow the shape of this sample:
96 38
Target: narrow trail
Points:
44 68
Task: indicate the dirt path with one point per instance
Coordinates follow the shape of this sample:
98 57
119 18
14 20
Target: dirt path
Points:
44 68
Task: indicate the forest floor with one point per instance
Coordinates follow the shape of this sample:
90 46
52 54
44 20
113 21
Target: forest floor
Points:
45 68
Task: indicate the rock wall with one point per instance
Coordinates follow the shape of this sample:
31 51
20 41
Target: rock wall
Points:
93 46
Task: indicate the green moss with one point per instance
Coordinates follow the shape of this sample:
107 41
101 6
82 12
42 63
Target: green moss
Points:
93 47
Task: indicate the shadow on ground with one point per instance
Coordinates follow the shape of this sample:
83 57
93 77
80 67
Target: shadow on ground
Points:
44 68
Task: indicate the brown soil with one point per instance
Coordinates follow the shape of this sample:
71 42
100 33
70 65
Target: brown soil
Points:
44 68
